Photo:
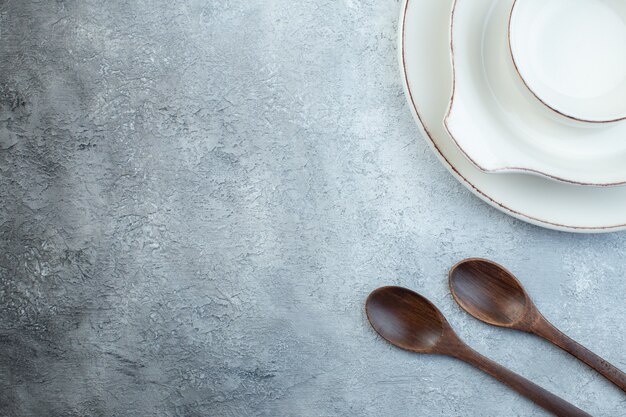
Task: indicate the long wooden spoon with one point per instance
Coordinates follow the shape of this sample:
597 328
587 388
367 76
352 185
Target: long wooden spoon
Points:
492 294
409 321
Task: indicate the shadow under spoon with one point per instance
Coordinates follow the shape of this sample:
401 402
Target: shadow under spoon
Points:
409 321
493 295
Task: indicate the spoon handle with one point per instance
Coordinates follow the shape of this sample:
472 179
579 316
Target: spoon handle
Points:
547 330
550 402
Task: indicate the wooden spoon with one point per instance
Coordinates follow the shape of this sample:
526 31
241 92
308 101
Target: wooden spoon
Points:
492 294
409 321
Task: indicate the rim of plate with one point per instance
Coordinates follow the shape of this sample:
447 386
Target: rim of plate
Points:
471 186
534 93
506 168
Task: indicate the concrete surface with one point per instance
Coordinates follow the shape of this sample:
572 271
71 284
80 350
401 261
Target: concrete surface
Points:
197 196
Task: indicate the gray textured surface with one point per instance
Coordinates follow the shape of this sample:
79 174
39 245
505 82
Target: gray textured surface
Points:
197 196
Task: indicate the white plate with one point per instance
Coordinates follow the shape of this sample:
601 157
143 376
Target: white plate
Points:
427 72
501 127
571 55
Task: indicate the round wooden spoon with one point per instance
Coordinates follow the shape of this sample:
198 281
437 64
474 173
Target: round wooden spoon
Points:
409 321
492 294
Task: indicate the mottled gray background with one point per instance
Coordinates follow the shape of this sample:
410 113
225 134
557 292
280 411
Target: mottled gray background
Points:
197 196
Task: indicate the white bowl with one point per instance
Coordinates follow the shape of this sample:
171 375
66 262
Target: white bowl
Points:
501 127
571 54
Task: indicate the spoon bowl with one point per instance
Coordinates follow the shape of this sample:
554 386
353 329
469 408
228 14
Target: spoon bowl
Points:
405 319
489 292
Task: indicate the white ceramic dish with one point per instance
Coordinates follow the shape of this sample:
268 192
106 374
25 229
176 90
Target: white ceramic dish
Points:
501 127
571 54
424 38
